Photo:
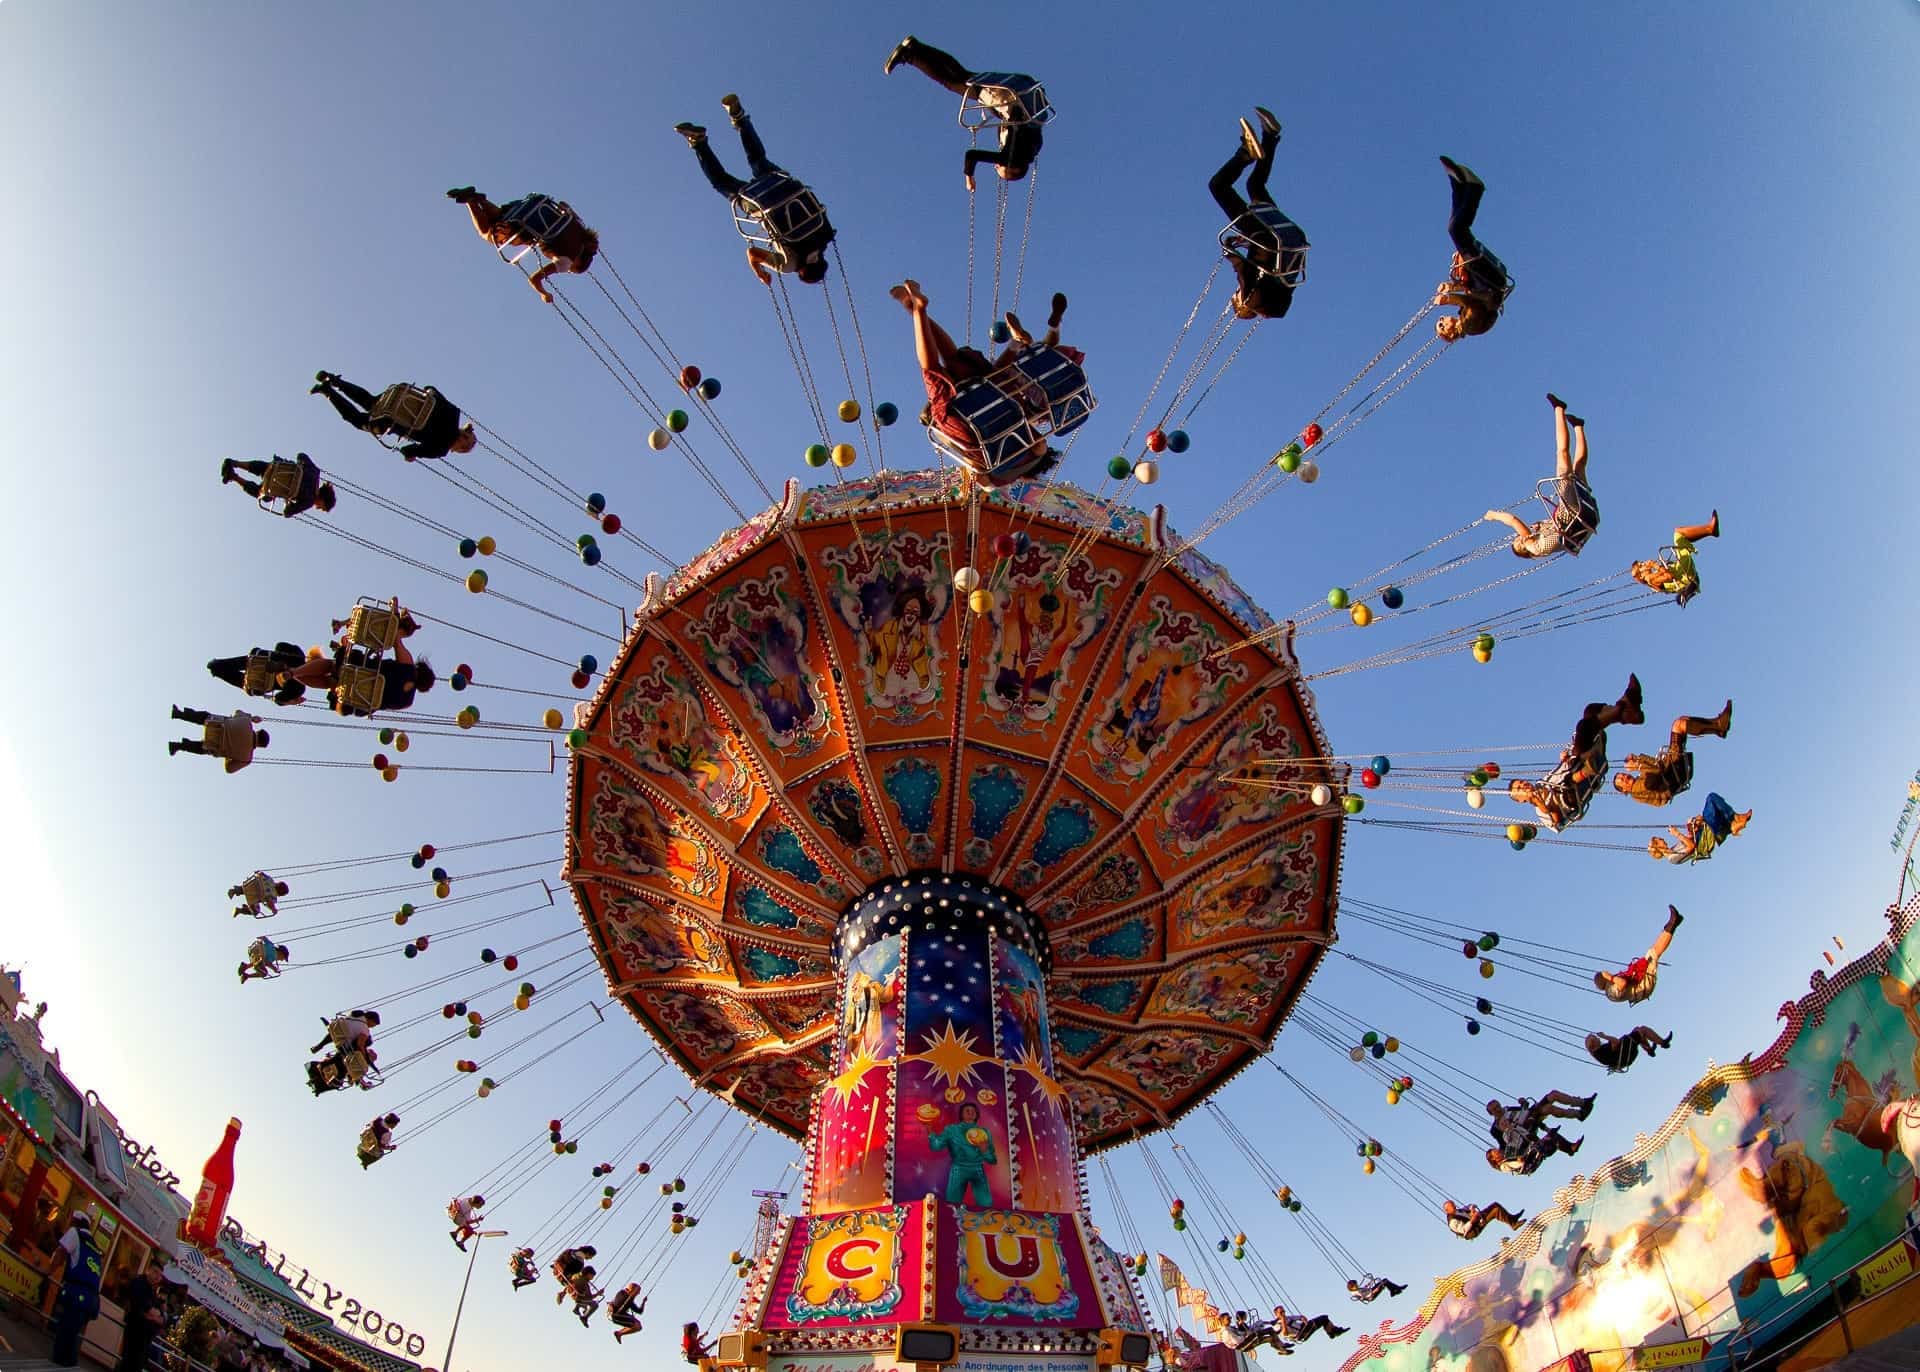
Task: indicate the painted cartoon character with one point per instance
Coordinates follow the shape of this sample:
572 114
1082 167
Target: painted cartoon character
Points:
901 650
1023 1003
1807 1212
969 1150
866 999
1032 648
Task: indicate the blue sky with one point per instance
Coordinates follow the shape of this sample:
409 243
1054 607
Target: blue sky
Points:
1709 209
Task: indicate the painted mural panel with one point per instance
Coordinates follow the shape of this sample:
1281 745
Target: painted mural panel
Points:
1771 1179
661 728
629 835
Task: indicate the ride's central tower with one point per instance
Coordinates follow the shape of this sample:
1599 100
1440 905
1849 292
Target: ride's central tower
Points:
943 1082
943 1165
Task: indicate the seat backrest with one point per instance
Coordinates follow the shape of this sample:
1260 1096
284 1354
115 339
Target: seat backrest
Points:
780 207
402 407
1004 97
540 218
359 690
1266 228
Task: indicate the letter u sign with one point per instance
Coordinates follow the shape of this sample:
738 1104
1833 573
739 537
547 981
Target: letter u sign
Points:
1021 1263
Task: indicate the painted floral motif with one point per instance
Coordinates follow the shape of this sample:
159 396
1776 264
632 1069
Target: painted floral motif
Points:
1170 681
627 834
1167 1064
1206 808
704 1028
753 635
1037 630
995 792
662 941
1098 1109
894 609
661 722
1115 879
1236 990
1261 892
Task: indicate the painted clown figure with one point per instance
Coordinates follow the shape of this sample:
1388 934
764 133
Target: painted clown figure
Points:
969 1150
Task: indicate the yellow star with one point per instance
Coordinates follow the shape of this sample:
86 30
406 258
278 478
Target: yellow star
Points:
852 1081
951 1056
1030 1064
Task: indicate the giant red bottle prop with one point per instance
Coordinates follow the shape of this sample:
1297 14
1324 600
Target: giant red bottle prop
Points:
202 1226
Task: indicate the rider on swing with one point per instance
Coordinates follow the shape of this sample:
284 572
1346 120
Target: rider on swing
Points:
805 256
1274 248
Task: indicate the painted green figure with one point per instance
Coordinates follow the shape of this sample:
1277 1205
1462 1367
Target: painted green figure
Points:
969 1150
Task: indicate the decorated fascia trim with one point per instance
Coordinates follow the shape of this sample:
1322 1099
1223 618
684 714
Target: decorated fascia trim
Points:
1002 499
770 523
670 906
1809 1009
1241 943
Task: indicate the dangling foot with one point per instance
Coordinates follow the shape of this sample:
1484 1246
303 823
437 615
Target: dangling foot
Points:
1586 1106
1574 421
1249 140
172 748
1674 919
1740 822
460 195
179 713
1464 175
908 293
1713 525
731 104
1630 711
1666 1042
1268 122
1017 329
695 134
226 471
1723 721
1334 1331
1057 312
898 55
1574 1147
1552 399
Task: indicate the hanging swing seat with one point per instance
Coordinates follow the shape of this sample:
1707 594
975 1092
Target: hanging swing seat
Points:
281 482
359 690
261 676
1568 792
1578 517
1263 228
777 210
1049 387
535 221
374 626
371 1150
400 413
995 98
1004 437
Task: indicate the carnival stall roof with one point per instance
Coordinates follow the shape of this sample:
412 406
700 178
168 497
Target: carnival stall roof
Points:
212 1286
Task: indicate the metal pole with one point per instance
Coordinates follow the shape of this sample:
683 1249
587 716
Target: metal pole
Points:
474 1253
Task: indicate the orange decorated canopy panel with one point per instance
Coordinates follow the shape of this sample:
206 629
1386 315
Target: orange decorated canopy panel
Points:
816 705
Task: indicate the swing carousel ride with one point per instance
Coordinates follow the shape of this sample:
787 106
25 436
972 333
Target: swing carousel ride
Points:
960 823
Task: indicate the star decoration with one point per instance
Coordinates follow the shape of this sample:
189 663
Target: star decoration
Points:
1031 1064
951 1056
851 1082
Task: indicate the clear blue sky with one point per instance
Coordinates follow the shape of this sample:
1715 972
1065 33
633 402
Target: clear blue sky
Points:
1710 210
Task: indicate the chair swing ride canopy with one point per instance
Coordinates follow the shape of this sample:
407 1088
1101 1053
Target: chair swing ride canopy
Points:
811 709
